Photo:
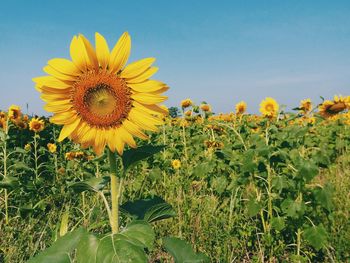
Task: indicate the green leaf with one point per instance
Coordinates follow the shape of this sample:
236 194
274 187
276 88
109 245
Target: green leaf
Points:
60 250
316 236
182 252
93 184
293 209
323 197
9 182
253 207
132 156
278 223
219 184
307 170
126 246
150 209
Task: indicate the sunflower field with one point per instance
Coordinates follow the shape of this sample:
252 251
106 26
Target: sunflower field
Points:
113 176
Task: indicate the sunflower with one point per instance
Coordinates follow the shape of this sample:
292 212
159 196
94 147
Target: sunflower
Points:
205 107
36 125
186 103
176 164
27 147
97 99
269 107
241 107
14 112
52 147
331 108
305 105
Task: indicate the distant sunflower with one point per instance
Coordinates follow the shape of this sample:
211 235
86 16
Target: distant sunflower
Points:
186 103
305 105
14 112
205 107
176 164
241 107
98 100
36 125
331 108
269 107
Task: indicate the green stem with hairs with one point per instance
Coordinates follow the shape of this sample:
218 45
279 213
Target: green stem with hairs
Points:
115 189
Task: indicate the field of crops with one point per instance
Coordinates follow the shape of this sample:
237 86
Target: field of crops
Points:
205 188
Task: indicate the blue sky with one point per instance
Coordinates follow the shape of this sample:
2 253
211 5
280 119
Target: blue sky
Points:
218 51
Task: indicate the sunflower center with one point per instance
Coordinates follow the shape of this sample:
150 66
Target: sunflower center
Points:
269 108
102 99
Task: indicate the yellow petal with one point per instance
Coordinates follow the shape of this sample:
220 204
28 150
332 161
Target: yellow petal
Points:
119 143
100 142
147 98
64 66
64 118
144 76
51 82
136 68
54 96
68 129
48 90
57 108
78 54
160 91
51 71
134 129
102 50
120 53
144 120
126 136
151 109
147 86
90 53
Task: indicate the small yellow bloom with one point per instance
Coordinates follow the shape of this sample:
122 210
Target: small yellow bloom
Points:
14 112
3 123
176 164
305 105
269 107
186 103
51 147
188 113
241 107
36 125
27 147
205 107
25 118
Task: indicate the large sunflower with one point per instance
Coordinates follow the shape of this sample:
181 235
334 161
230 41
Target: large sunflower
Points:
98 100
331 108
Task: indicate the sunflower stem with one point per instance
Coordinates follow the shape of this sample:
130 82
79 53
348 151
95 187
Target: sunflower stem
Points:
115 189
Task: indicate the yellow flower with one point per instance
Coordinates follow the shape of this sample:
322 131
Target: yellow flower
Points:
176 164
14 112
188 113
3 123
51 147
305 105
205 107
27 147
241 107
269 107
25 118
98 100
36 125
330 108
186 103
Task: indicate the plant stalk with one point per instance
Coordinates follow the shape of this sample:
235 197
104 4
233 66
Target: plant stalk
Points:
114 191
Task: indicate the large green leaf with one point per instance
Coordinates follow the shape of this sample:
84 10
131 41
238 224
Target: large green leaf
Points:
307 170
60 251
127 246
323 196
132 156
182 252
293 209
93 184
316 236
150 209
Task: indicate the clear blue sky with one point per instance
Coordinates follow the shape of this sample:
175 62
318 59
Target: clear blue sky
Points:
218 51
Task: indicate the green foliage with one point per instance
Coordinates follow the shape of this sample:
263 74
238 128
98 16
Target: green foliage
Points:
183 252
